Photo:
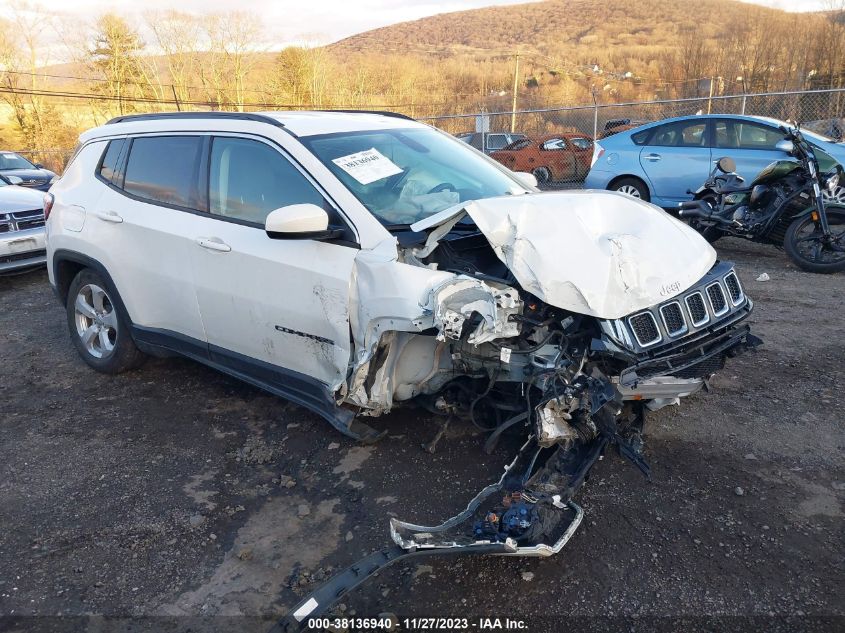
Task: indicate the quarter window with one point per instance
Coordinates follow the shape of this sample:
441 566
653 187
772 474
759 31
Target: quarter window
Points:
248 179
581 143
640 138
108 167
496 141
164 169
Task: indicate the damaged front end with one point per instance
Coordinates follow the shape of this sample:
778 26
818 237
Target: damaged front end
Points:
488 321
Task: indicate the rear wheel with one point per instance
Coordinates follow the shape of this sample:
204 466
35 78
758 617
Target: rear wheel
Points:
98 328
542 174
633 187
810 250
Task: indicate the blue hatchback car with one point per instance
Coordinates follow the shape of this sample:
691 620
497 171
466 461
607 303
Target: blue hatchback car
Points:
659 162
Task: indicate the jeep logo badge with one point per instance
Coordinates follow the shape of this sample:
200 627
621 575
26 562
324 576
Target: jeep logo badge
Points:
670 289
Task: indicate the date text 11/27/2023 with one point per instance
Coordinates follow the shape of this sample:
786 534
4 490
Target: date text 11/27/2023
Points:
417 624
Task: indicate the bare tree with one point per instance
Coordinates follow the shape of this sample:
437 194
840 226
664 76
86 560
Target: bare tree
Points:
178 36
233 52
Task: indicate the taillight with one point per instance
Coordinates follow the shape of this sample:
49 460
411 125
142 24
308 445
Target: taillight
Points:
598 152
48 204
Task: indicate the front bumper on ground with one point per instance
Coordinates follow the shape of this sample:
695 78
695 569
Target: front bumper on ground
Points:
22 249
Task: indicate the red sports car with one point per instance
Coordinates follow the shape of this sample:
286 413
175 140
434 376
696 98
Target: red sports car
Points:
551 158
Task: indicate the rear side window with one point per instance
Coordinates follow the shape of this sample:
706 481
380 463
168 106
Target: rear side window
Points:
108 166
248 179
496 141
581 143
164 169
640 138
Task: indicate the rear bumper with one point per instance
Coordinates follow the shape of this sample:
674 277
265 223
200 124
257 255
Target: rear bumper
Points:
598 179
22 249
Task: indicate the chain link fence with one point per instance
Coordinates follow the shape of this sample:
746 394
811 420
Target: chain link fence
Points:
822 111
52 159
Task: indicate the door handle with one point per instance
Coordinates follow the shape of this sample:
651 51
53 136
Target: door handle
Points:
214 244
653 157
109 216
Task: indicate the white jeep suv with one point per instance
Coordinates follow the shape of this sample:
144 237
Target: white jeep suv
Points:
353 261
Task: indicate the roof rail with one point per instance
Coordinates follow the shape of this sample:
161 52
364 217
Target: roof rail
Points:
396 115
242 116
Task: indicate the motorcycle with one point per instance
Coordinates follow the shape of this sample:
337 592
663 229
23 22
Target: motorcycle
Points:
784 205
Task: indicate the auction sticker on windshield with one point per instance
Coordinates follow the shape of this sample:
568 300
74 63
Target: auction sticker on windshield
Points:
367 166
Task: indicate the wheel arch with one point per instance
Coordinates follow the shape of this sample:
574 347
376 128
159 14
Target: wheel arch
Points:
67 265
616 179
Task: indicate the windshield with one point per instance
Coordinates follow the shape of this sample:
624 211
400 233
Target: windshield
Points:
403 176
8 160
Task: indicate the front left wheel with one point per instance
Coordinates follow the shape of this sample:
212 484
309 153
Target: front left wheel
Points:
807 246
98 328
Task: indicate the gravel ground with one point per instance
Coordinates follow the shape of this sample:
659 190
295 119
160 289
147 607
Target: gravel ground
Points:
177 495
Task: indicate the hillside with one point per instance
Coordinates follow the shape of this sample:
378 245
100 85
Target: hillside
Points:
652 41
553 26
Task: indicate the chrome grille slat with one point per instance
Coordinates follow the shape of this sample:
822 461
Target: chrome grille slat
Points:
673 318
734 288
645 329
697 309
717 299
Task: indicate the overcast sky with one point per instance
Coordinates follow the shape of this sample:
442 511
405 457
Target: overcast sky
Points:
288 21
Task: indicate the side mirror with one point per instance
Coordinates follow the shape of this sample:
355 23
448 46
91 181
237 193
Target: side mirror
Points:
14 180
785 146
299 222
39 166
526 178
726 165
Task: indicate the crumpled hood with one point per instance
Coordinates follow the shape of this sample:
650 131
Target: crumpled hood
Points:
597 253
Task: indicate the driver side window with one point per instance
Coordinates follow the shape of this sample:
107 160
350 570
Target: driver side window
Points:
248 179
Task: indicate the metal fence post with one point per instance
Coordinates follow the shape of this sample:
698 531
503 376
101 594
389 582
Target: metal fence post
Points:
744 97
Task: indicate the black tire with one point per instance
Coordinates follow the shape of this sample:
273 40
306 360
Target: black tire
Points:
633 187
542 174
98 328
796 243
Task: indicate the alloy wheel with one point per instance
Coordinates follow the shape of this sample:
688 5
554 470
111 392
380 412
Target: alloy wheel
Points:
96 321
836 196
629 190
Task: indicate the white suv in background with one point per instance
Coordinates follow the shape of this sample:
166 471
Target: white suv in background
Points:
352 261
